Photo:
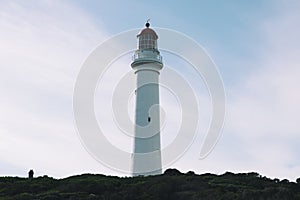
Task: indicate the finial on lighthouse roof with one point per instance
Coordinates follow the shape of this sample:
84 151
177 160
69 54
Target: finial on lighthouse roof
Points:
147 31
147 23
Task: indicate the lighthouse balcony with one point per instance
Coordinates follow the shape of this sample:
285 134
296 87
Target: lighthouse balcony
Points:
147 55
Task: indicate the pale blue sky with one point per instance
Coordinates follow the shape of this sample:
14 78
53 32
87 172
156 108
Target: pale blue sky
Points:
255 45
230 27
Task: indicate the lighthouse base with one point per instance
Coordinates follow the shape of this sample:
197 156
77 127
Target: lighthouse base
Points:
146 164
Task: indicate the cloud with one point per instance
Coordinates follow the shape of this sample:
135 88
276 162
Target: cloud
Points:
42 47
263 110
261 130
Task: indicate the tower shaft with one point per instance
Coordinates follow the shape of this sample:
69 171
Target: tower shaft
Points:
147 155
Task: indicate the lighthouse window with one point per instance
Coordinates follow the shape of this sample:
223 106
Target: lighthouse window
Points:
147 41
149 119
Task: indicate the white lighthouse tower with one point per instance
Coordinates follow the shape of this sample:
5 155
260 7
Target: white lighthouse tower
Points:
146 64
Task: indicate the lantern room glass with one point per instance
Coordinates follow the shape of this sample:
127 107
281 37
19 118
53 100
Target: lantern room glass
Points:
147 41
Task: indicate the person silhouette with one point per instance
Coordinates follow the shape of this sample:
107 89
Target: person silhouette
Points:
30 174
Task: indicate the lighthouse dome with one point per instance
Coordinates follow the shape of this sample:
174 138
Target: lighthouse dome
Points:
147 38
148 31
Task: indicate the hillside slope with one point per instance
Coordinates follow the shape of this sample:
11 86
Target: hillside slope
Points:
171 185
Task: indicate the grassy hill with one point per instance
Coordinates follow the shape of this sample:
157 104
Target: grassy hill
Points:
171 185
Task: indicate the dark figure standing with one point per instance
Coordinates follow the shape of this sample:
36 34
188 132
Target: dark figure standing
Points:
30 174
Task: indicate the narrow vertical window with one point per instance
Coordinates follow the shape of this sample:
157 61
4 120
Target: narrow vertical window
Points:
149 119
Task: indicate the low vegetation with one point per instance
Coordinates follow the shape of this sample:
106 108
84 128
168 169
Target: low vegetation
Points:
170 185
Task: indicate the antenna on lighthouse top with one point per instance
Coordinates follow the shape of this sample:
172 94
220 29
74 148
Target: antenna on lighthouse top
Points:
147 23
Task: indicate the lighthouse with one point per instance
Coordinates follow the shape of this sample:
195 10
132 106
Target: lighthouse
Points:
147 63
